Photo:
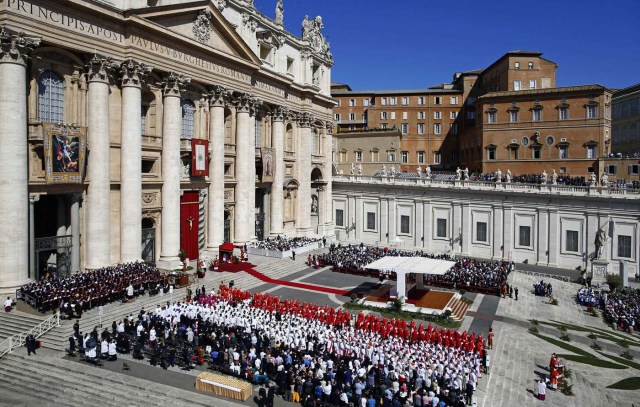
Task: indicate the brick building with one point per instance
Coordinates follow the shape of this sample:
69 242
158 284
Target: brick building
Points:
509 115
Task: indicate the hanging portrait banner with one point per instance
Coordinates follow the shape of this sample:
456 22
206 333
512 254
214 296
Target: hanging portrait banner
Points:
64 153
267 164
199 157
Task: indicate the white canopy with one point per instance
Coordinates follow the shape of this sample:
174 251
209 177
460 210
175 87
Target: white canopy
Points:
422 265
403 265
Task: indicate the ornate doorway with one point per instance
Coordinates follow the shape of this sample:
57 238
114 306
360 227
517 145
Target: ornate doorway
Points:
189 221
60 263
148 241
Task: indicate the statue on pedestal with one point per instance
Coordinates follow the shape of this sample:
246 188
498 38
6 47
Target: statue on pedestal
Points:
419 171
384 170
353 169
498 176
554 177
601 239
465 174
359 168
392 171
279 19
428 172
604 181
508 175
544 177
458 173
593 179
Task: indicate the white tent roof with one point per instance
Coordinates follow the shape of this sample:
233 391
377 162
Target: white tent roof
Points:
421 265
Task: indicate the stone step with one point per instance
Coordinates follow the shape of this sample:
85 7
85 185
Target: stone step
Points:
459 309
49 395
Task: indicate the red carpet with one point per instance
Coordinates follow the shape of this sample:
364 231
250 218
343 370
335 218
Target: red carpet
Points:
328 290
234 267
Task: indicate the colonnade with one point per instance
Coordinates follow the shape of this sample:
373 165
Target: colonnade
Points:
16 236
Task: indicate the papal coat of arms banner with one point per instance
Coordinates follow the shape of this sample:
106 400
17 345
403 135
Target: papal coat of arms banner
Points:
64 149
199 157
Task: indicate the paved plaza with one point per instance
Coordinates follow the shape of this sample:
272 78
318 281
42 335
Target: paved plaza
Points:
518 357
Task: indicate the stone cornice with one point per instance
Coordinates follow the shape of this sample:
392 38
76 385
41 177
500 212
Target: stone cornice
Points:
16 48
134 73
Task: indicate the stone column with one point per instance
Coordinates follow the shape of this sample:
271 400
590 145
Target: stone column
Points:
244 220
98 194
75 232
33 198
277 192
218 97
327 174
133 75
303 158
251 166
14 188
172 88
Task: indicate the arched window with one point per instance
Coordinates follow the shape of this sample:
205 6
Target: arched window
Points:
188 115
50 97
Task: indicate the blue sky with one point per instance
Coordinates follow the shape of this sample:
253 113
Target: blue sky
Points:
406 44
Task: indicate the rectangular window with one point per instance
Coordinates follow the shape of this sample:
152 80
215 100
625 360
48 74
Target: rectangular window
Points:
491 154
421 100
143 119
453 100
571 245
290 66
536 115
420 128
516 65
391 157
405 115
437 128
611 169
530 65
383 101
404 156
533 84
383 126
375 156
591 151
437 100
441 228
536 152
393 115
420 157
524 238
365 102
471 115
517 85
371 221
513 116
404 224
453 115
591 112
563 170
454 129
437 115
491 117
337 117
563 113
634 169
339 217
481 231
405 128
405 101
421 115
624 246
352 116
392 101
437 158
358 155
383 115
352 102
563 152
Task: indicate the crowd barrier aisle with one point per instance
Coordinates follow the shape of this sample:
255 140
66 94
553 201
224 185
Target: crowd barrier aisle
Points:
224 386
283 254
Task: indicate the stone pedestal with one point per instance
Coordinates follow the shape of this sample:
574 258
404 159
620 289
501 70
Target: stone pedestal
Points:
599 270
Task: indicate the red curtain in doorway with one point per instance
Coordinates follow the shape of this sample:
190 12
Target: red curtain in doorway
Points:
189 224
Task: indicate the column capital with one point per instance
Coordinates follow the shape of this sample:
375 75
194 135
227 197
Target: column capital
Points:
329 126
279 113
218 96
99 69
133 73
33 198
16 48
75 197
305 119
174 84
244 102
257 103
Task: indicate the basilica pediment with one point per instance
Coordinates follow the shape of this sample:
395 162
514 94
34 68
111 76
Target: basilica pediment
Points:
203 24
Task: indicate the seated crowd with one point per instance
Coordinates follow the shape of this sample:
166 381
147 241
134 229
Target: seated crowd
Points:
314 355
621 308
83 291
284 243
466 272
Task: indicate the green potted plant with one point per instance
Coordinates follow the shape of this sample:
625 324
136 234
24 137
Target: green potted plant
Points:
182 255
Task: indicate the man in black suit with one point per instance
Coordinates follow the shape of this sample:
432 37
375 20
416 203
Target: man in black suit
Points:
31 344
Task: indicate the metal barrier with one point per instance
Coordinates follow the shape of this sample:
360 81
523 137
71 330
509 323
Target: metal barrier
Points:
18 340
